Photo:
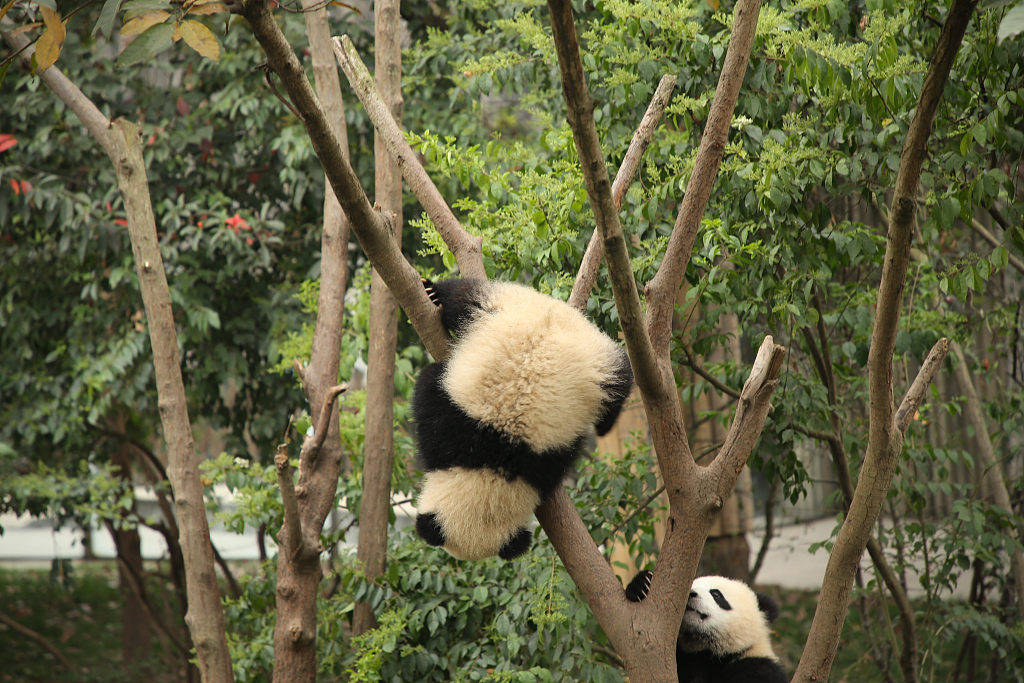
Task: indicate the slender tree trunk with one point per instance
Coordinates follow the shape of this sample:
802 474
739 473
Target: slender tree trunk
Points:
308 503
993 484
135 627
380 380
122 143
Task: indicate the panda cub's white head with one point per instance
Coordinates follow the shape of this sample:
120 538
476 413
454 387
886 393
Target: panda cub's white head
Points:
727 618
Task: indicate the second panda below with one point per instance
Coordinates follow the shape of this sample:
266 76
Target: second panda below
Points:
724 636
500 422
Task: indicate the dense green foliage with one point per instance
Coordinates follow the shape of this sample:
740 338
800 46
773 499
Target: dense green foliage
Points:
791 242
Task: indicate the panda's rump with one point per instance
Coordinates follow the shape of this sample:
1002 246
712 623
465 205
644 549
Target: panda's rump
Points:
478 509
532 367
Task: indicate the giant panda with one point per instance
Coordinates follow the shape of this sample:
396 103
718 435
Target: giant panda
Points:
499 423
724 635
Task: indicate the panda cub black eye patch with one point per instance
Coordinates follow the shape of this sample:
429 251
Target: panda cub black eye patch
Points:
720 599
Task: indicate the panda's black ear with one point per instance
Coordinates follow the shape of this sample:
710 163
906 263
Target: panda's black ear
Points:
767 604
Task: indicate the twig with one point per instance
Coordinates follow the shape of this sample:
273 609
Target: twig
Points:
322 422
591 262
38 638
912 399
465 247
769 529
695 365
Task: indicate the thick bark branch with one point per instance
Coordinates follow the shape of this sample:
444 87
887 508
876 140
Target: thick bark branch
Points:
321 458
369 226
993 482
663 288
591 262
465 247
378 457
580 111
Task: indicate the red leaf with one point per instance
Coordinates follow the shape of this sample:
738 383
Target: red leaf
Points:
249 241
7 141
26 187
120 221
15 186
237 223
182 106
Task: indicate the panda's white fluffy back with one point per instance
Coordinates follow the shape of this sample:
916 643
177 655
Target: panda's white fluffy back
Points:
531 366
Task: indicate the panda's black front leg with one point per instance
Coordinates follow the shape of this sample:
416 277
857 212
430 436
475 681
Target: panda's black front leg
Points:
460 300
517 545
640 586
429 529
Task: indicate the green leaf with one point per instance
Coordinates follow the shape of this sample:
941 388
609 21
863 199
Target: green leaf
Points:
105 23
1012 23
154 40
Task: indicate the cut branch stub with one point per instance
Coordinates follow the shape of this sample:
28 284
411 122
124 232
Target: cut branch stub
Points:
465 247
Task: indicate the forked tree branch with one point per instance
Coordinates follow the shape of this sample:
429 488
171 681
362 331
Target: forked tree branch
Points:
465 247
591 262
663 288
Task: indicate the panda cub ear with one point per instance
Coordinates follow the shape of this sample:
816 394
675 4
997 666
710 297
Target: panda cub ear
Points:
767 604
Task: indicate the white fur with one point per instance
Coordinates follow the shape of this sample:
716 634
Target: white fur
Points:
531 366
478 509
743 630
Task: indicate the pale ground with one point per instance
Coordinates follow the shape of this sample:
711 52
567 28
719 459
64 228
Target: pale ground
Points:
29 542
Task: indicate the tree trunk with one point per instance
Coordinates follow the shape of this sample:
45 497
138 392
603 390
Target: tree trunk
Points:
380 380
135 627
298 556
121 142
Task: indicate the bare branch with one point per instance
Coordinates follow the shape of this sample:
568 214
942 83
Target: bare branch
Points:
585 564
662 289
370 227
38 638
313 444
465 247
885 440
991 239
292 527
751 412
931 366
591 263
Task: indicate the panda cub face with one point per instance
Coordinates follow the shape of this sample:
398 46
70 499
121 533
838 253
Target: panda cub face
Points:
726 617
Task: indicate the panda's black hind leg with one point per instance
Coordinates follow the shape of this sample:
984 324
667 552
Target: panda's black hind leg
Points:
429 529
617 389
517 545
640 586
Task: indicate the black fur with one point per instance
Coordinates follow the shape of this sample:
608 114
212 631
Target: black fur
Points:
460 300
704 667
767 604
447 437
517 545
429 529
618 389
